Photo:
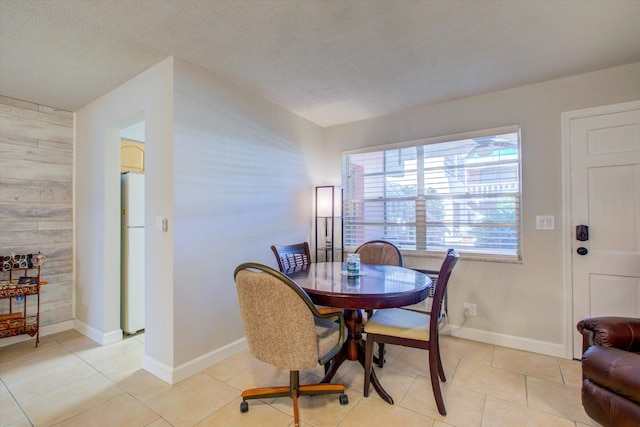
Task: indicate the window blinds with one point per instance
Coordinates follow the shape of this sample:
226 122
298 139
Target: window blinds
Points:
463 193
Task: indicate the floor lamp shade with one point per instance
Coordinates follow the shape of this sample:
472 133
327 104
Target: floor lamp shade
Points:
329 202
329 223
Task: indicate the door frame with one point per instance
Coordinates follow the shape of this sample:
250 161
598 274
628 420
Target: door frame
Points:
567 229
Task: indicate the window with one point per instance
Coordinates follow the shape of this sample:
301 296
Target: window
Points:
461 191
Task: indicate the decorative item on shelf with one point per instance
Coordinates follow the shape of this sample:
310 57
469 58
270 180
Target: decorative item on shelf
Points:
17 261
10 316
6 262
39 259
10 320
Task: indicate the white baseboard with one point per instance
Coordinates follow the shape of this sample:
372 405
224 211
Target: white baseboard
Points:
160 370
519 343
102 338
179 373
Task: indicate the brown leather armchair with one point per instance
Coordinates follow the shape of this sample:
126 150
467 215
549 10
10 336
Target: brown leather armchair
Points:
611 370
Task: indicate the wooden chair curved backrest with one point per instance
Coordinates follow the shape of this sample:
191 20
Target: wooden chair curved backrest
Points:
289 256
294 256
380 252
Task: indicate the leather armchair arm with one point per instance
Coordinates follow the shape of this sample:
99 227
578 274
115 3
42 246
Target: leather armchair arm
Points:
618 332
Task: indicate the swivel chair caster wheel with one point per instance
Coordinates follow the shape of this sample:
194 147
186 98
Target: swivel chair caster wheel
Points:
244 407
344 399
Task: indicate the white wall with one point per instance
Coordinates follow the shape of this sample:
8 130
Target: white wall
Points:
233 174
244 172
520 305
148 97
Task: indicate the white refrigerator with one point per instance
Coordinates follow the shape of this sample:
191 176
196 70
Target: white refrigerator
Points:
132 268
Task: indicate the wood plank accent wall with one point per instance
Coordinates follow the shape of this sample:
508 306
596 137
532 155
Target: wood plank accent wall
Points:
36 197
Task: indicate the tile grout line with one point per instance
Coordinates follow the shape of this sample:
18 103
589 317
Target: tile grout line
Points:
460 357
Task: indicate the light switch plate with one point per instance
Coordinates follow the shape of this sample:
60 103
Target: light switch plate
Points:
545 222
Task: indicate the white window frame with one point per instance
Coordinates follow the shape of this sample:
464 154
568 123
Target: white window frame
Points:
421 223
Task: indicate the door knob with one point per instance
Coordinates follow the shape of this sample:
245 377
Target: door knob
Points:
582 251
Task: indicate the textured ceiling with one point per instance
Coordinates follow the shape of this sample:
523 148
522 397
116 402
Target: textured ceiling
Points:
328 61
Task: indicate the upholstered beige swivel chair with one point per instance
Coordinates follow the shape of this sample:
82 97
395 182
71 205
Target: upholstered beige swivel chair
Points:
297 256
284 328
413 329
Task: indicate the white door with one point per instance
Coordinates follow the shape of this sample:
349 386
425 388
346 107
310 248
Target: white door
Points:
605 197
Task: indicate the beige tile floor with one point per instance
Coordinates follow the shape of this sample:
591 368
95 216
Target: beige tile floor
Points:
69 380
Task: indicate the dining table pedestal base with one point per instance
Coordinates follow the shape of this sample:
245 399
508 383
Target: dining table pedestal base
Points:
353 349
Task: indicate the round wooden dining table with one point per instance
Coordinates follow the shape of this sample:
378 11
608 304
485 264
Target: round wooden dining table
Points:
377 286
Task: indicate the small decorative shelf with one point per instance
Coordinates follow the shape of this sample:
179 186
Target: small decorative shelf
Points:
16 285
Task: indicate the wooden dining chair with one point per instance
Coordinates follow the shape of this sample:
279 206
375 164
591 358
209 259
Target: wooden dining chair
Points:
283 328
289 256
413 329
380 252
295 256
422 307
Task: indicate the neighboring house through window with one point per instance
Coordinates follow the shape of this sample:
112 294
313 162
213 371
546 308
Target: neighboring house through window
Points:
461 191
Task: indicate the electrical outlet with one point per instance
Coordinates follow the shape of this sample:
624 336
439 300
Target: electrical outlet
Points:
470 309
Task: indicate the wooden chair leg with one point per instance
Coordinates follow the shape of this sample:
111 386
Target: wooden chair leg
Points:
265 392
294 381
380 359
441 371
435 380
440 368
368 358
296 417
369 314
322 388
381 355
